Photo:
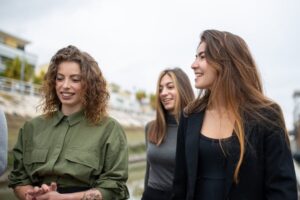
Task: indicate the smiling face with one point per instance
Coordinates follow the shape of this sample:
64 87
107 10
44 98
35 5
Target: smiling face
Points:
168 93
205 74
69 87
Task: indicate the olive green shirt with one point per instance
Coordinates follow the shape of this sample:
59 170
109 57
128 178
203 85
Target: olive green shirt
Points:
72 152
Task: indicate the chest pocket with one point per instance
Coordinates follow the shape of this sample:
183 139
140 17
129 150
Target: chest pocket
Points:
35 156
85 158
82 165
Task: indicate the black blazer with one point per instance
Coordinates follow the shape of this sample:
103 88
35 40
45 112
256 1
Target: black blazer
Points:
267 171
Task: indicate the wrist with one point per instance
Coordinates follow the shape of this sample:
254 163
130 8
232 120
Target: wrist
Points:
92 194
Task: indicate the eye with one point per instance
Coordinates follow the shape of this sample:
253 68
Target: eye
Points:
76 80
200 55
59 78
170 87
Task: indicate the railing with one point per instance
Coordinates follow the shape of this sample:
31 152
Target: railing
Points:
20 87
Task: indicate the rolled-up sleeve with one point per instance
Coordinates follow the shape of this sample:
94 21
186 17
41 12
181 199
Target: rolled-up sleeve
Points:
112 181
18 175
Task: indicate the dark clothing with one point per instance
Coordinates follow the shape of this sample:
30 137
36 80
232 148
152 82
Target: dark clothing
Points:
211 173
161 160
154 194
267 171
65 190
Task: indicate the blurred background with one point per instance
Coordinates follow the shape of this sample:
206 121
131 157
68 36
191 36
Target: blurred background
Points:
133 40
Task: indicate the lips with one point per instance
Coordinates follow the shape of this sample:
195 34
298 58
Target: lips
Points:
166 101
198 74
66 95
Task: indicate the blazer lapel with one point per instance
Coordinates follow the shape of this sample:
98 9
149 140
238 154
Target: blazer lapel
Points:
192 141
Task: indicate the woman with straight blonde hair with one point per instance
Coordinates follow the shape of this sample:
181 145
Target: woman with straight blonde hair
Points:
232 140
174 92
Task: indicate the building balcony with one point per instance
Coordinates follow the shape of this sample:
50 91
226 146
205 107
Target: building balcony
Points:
9 52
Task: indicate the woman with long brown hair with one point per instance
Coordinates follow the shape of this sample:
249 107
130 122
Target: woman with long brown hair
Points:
74 150
174 92
232 140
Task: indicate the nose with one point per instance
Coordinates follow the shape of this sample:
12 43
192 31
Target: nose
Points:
66 83
163 92
194 64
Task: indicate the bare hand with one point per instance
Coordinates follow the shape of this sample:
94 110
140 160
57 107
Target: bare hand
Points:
52 195
38 191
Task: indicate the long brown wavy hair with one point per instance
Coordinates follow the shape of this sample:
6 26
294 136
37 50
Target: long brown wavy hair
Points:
95 95
185 94
239 83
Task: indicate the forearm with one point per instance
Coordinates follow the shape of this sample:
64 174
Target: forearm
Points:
92 194
20 191
73 196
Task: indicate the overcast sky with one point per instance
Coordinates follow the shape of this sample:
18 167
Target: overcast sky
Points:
133 40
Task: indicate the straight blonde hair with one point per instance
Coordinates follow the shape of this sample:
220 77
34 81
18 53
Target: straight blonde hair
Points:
185 94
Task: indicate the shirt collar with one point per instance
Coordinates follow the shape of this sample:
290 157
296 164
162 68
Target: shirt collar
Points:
71 119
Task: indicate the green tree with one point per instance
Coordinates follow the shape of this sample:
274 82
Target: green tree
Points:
13 69
140 95
39 78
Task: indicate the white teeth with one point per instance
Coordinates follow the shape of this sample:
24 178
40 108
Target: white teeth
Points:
166 100
66 94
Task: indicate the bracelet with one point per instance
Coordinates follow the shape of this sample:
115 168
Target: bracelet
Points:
92 194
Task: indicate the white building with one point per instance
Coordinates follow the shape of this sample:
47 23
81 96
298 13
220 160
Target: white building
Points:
12 47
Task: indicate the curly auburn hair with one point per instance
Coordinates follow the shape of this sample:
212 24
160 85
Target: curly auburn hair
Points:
95 95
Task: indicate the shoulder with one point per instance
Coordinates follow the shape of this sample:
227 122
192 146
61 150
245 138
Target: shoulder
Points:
110 123
37 121
266 116
268 120
111 127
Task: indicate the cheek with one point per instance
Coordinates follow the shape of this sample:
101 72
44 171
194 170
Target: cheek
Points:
57 86
175 96
78 87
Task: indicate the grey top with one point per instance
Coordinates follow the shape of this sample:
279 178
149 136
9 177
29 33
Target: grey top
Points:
161 160
3 142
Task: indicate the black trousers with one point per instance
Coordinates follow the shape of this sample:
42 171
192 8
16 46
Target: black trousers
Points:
65 190
154 194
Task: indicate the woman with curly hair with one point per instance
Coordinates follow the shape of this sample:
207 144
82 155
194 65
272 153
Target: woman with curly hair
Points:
74 150
232 140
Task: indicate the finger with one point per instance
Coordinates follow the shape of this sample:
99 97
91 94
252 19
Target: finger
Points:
29 192
36 189
45 188
28 196
42 197
53 186
33 191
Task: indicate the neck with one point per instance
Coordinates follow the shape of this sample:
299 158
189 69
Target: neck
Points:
218 105
66 110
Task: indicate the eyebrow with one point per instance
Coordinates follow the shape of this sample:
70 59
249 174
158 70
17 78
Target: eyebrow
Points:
72 75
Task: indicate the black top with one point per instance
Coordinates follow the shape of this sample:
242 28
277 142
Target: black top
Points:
267 170
211 168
